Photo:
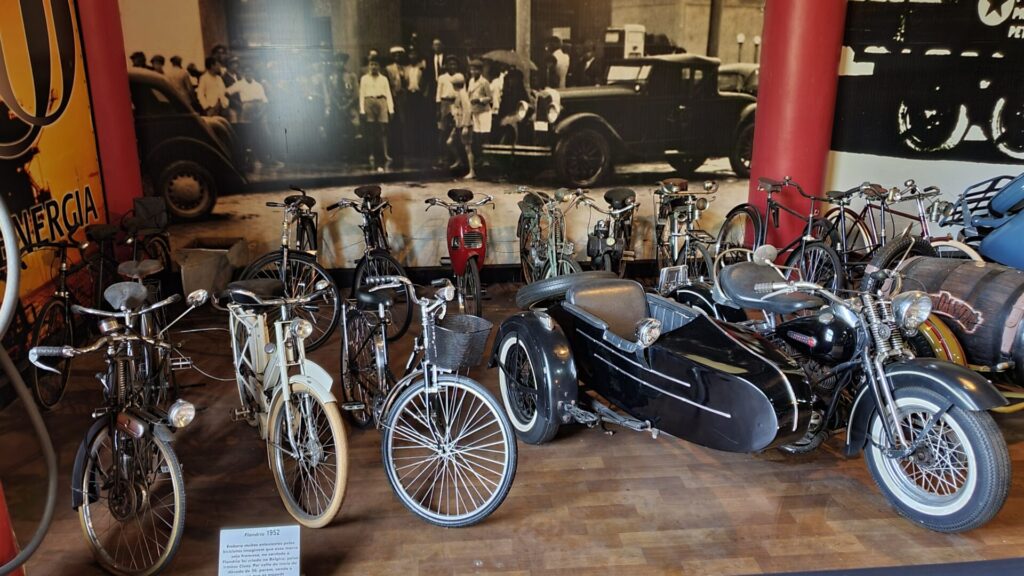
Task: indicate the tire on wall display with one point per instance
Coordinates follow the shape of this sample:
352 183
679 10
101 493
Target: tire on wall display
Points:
583 158
189 188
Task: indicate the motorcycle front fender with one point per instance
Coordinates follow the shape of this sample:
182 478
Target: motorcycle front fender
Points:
316 379
962 387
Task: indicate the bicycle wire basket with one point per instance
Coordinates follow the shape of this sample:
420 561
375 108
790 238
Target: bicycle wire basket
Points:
459 342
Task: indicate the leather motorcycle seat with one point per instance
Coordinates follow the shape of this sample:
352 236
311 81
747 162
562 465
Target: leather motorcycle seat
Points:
262 288
368 299
126 295
138 270
619 197
460 195
307 201
738 281
370 191
100 232
618 303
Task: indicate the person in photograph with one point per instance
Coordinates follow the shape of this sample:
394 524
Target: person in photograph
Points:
230 75
138 60
395 72
253 115
480 98
348 106
220 52
376 107
156 63
588 69
461 111
434 66
444 97
417 111
556 63
212 94
497 85
179 79
194 74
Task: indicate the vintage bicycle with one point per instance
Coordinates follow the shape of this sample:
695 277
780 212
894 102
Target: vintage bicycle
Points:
544 251
297 269
448 449
287 397
678 240
610 243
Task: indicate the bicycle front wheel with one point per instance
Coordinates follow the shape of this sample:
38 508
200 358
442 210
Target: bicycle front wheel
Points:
697 260
818 263
53 327
300 278
743 228
133 508
449 454
309 460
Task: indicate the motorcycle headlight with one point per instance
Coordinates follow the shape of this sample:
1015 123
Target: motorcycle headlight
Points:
912 309
647 332
302 328
553 113
181 413
475 221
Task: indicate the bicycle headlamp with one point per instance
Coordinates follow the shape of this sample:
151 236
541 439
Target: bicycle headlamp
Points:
447 292
912 308
302 328
181 413
475 221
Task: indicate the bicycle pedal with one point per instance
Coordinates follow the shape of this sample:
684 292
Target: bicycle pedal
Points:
240 414
353 406
181 363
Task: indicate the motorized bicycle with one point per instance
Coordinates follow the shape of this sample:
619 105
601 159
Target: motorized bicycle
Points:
677 238
287 397
544 251
127 483
936 455
990 214
377 259
448 449
466 239
294 265
610 244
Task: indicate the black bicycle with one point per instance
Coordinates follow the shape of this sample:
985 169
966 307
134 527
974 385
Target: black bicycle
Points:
298 269
377 259
811 253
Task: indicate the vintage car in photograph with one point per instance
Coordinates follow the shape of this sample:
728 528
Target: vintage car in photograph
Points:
186 158
655 108
739 77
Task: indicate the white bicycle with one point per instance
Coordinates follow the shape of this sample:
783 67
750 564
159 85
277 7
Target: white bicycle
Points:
288 398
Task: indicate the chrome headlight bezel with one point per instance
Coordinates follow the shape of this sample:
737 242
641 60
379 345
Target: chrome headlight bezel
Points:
301 328
912 309
647 332
181 413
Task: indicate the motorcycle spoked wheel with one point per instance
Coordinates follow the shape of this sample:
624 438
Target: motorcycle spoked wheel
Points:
957 480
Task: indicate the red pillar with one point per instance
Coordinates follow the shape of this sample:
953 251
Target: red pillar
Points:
796 101
103 43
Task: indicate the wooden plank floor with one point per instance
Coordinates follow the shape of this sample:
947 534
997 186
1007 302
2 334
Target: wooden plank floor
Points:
586 503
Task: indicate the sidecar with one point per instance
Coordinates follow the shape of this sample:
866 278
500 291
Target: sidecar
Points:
668 367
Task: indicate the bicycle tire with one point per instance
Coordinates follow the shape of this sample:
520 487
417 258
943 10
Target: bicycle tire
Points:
300 278
730 235
470 285
699 264
526 241
358 364
379 263
49 388
157 248
955 249
815 261
94 504
462 412
858 235
278 436
888 256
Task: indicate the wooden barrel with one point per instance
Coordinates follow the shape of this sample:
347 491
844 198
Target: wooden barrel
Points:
982 302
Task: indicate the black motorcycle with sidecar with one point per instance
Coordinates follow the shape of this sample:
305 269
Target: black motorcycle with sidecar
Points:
750 386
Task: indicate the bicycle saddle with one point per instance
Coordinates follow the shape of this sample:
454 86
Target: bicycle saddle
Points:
842 194
619 197
371 192
100 232
368 299
738 281
675 184
460 195
263 288
127 295
137 270
307 201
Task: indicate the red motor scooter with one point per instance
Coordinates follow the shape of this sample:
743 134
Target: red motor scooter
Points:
467 245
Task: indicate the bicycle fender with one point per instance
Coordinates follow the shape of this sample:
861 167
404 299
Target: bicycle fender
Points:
315 378
78 470
962 387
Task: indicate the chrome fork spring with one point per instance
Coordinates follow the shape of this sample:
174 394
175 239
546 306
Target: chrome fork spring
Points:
889 317
880 330
121 379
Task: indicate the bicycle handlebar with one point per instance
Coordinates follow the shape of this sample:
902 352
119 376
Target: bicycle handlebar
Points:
445 292
78 309
349 203
37 353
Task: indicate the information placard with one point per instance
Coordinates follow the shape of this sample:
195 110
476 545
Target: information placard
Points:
266 551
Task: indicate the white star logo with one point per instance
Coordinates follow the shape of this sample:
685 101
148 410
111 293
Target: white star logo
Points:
995 12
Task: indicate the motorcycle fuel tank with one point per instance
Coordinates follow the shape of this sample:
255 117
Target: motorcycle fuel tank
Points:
823 337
